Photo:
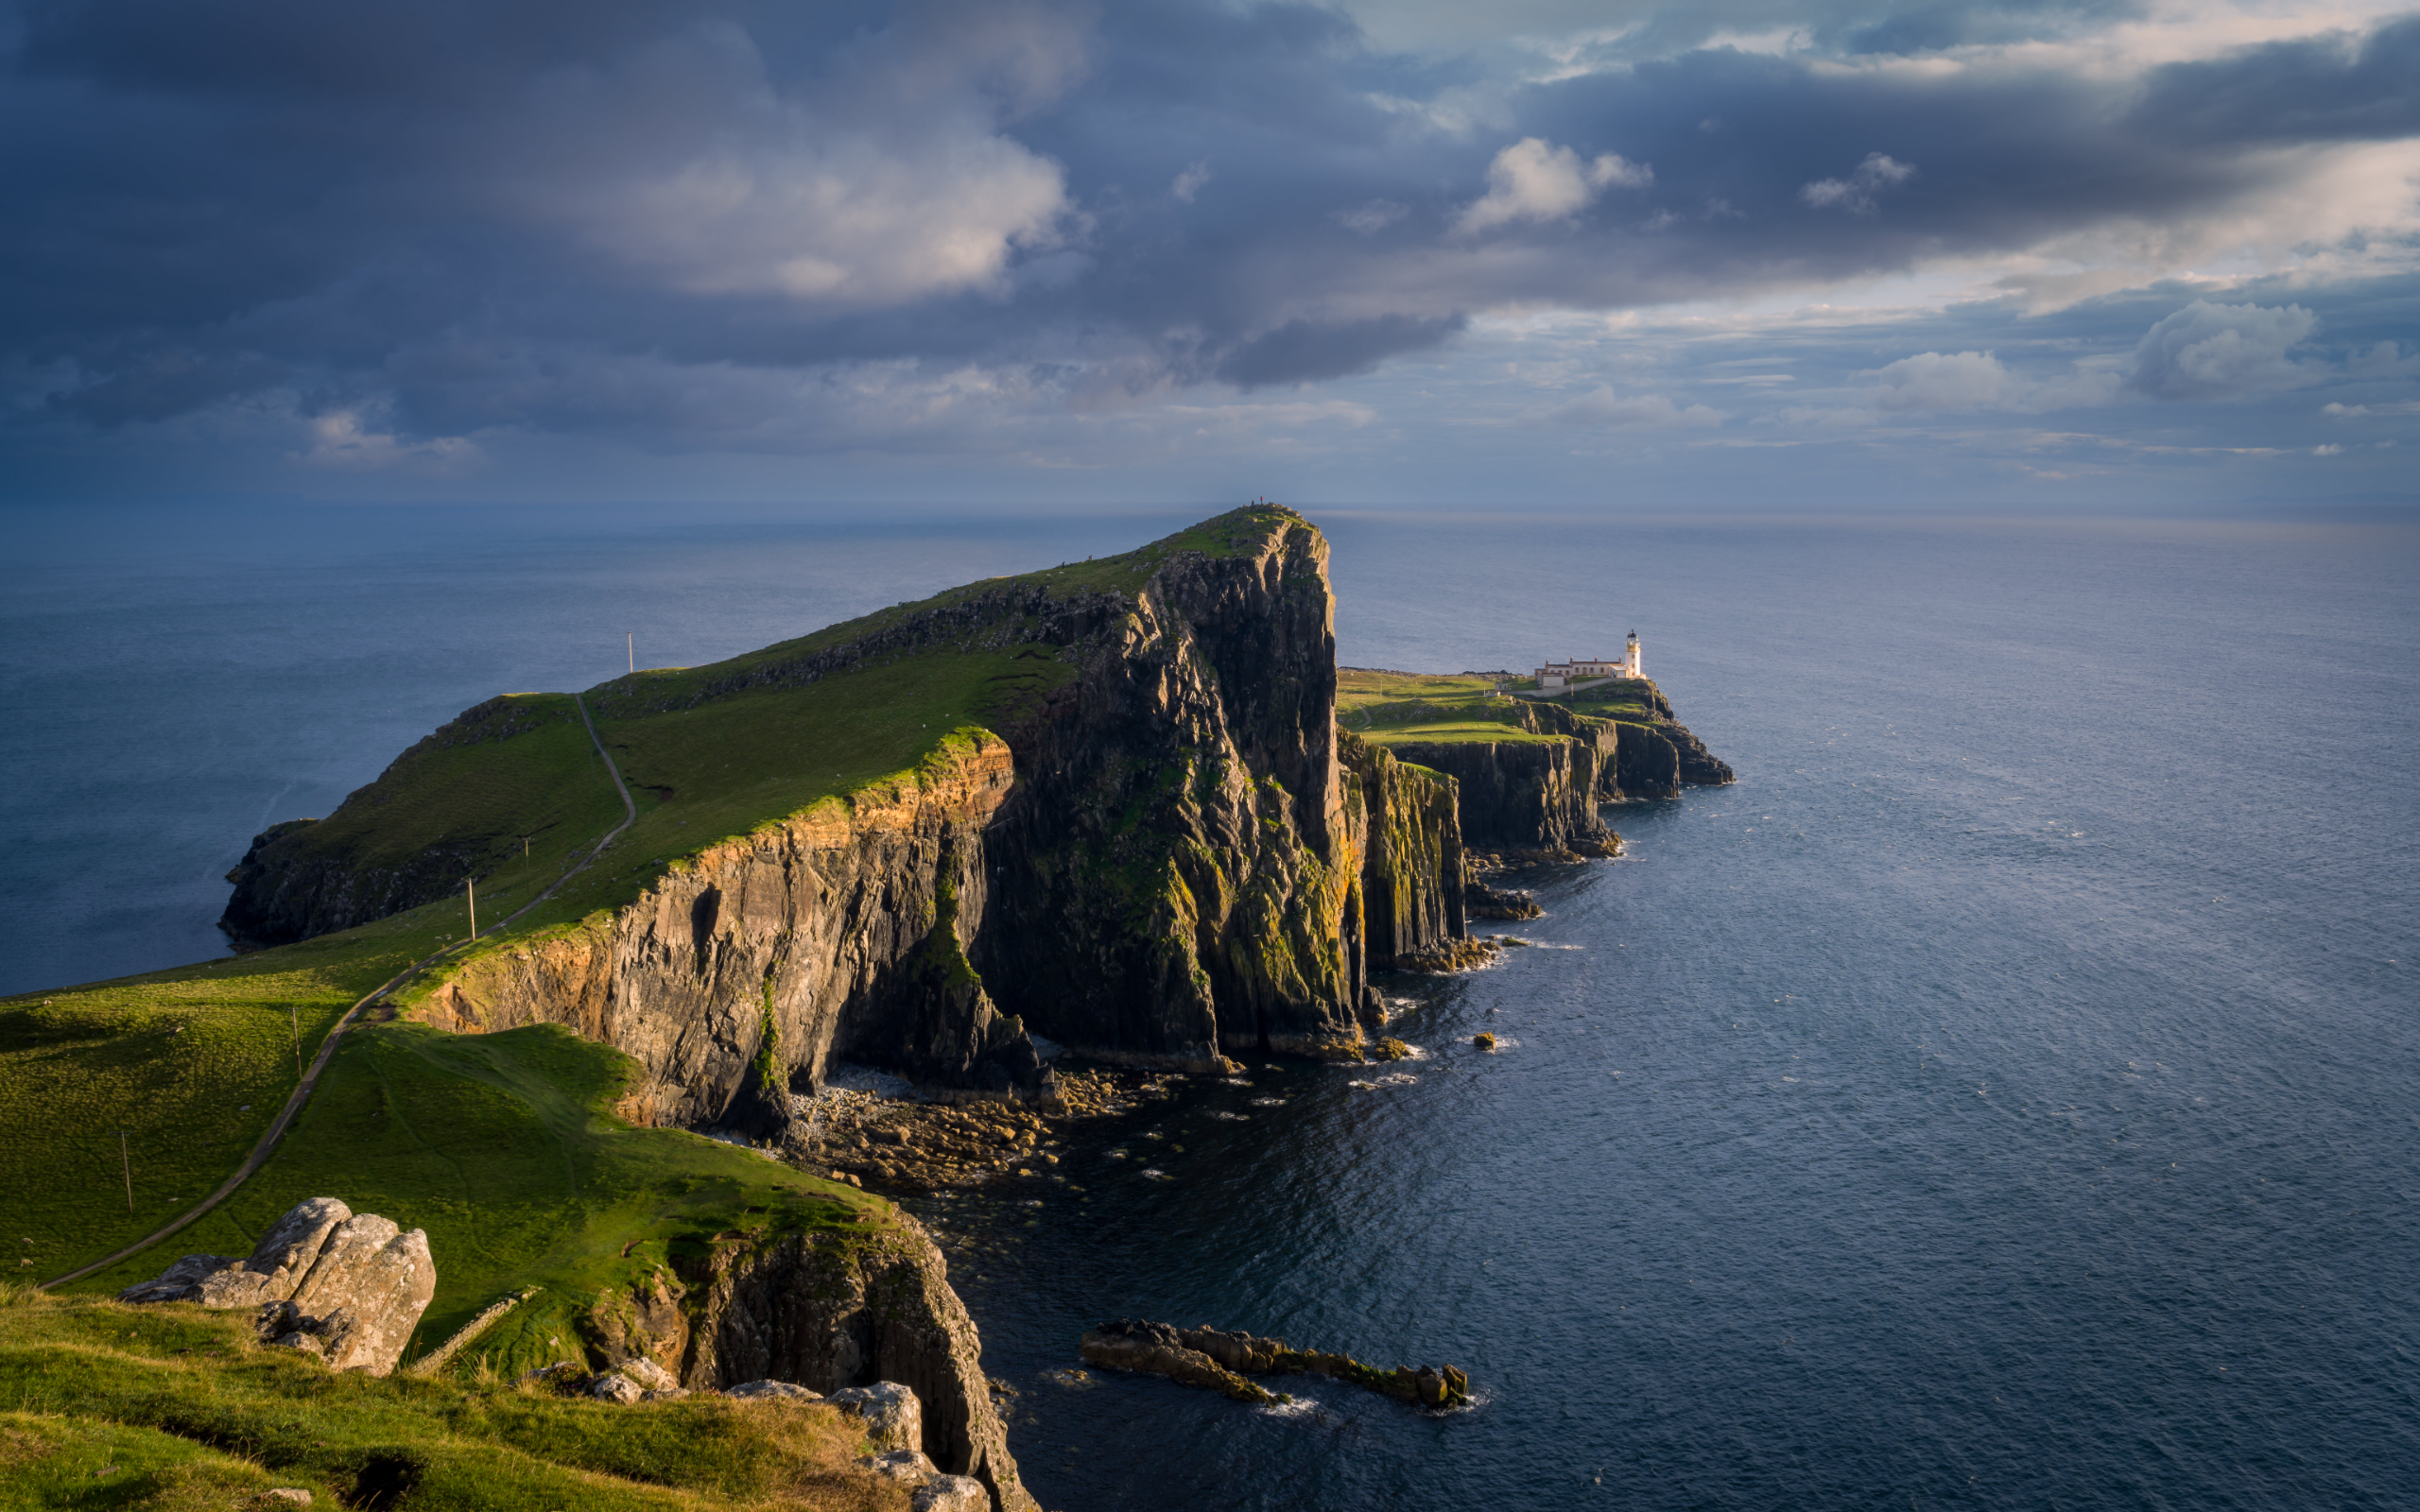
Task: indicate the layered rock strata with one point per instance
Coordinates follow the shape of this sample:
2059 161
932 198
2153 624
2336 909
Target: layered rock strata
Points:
347 1287
840 933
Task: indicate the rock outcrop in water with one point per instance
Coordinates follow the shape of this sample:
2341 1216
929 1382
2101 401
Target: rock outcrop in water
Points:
1218 1360
348 1287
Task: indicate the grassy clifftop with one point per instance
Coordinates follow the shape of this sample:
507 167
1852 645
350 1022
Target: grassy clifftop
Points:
1397 707
178 1409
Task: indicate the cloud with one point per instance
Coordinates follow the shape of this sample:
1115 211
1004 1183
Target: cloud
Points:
2208 351
1929 380
1371 219
1533 180
1856 193
1305 350
746 226
1602 408
2336 87
339 442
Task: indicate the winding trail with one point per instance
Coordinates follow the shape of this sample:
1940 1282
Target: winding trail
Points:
310 1082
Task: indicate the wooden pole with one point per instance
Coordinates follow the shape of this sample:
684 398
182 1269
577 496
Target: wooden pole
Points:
471 891
124 1155
630 645
294 1018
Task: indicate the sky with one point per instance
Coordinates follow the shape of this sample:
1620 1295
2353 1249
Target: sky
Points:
2100 254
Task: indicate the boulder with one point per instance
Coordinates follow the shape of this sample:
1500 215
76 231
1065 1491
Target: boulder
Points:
648 1374
771 1391
615 1388
952 1493
892 1415
348 1287
906 1466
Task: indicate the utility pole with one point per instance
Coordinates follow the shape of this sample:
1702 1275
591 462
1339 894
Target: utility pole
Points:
471 891
630 645
128 1158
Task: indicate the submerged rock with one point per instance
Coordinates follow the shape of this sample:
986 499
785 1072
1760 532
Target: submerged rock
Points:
348 1287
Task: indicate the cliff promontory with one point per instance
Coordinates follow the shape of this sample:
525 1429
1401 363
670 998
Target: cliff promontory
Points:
1109 803
1102 803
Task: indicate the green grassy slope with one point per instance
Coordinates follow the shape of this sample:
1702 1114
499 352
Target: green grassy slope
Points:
504 1148
514 812
1394 707
192 1062
174 1409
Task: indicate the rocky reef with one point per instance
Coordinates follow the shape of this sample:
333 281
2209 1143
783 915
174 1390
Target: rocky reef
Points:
1218 1360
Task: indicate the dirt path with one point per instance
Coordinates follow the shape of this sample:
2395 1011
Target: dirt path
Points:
310 1081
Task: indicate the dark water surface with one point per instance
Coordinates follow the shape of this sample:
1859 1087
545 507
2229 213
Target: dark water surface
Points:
2004 1096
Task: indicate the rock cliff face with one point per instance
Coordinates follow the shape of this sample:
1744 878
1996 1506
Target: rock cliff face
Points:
834 1312
1410 839
1534 794
840 932
1154 863
1172 873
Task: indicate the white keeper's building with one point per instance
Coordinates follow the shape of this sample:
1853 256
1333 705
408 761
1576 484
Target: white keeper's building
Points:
1556 676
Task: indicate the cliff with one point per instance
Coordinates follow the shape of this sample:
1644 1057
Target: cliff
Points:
840 932
1411 872
1101 803
1531 773
830 1312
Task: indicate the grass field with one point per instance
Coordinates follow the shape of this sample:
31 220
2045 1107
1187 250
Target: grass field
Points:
174 1409
192 1064
503 1148
1397 707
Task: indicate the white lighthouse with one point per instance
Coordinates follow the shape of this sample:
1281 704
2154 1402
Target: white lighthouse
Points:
1630 658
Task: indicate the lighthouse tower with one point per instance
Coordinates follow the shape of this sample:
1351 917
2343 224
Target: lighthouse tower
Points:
1630 658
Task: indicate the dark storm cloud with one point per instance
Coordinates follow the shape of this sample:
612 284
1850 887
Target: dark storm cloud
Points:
607 216
2343 88
1301 351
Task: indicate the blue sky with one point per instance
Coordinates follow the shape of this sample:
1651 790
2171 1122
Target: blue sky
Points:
2076 253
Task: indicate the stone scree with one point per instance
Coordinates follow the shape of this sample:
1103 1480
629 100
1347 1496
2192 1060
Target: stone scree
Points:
347 1287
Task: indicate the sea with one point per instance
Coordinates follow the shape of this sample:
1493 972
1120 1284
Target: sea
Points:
2006 1096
